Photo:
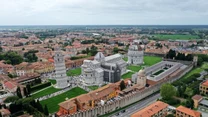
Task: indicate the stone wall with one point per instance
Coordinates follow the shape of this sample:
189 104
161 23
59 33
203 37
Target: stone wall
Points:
128 99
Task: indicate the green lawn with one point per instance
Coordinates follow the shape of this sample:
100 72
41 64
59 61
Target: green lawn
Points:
157 73
47 91
134 68
53 102
93 87
151 60
193 71
127 75
125 59
52 81
74 72
176 37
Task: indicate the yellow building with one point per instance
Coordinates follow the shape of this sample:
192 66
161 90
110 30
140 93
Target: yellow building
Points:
204 87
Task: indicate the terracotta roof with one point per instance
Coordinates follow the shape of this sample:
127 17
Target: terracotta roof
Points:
10 85
5 112
84 98
197 97
151 109
68 104
205 83
188 111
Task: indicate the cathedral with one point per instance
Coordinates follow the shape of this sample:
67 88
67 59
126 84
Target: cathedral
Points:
135 54
103 69
60 70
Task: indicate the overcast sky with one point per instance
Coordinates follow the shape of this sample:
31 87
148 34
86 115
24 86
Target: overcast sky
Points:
92 12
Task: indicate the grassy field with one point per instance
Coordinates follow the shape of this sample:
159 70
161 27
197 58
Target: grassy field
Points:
193 71
47 91
134 68
52 81
93 87
53 102
74 72
127 75
151 60
125 59
176 37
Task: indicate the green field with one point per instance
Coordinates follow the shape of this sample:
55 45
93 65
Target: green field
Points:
93 87
125 59
134 68
52 81
127 75
47 91
151 60
74 72
53 102
176 37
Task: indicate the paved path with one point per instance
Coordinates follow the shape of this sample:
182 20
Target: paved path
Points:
138 106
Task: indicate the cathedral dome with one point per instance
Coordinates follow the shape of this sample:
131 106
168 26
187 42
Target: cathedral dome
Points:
141 72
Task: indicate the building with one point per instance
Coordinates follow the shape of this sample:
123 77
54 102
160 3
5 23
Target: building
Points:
135 55
197 99
88 101
182 111
5 113
203 88
157 109
103 69
140 78
60 70
24 68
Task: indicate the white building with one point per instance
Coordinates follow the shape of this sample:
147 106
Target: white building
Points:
135 55
60 70
103 69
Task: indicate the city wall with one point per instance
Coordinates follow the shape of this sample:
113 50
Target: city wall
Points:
128 99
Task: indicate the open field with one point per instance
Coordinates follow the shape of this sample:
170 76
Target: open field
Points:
176 37
151 60
134 68
53 102
74 72
127 75
47 91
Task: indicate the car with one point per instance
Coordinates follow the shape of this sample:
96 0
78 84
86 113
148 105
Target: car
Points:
117 114
123 111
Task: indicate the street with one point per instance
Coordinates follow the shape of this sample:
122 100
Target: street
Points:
136 107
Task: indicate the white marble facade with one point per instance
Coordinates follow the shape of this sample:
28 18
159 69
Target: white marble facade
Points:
93 72
135 55
60 70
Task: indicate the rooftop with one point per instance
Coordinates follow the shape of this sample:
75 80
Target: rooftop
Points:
188 111
151 109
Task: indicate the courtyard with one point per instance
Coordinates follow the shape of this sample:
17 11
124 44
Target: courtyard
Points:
148 61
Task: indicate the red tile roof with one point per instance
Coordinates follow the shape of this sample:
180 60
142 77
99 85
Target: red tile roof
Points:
197 97
188 111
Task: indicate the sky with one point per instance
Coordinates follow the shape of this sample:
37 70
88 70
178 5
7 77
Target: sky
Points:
103 12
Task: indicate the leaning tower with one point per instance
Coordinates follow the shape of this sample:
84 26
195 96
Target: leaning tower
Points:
60 69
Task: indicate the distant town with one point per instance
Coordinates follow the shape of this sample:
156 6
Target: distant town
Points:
104 71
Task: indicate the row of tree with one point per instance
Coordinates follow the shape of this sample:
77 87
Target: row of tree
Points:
90 51
179 56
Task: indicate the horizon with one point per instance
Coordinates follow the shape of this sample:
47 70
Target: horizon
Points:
103 12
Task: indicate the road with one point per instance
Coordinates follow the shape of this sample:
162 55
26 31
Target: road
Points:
138 106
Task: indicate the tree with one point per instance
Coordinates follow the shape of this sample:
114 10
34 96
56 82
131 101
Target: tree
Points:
188 92
122 85
19 94
115 50
39 106
11 99
28 89
189 103
167 91
200 61
25 91
30 56
46 110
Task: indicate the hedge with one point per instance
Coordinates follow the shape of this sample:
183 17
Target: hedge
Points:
40 86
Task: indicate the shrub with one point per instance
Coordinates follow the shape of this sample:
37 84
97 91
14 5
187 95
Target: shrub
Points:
40 86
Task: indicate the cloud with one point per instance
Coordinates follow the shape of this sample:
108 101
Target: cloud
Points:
73 12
